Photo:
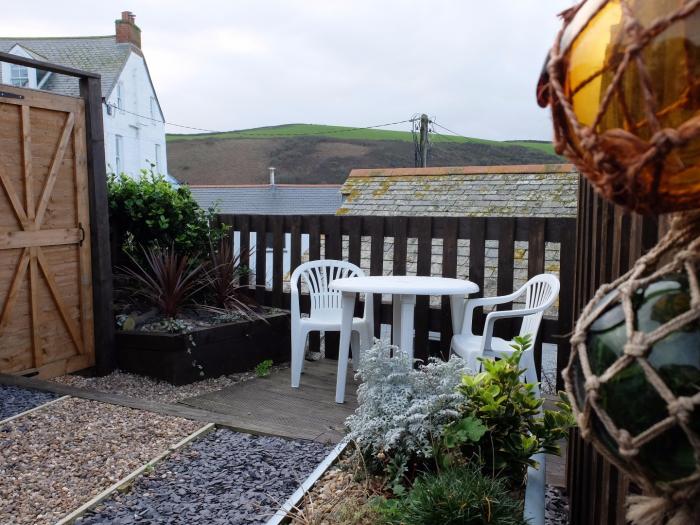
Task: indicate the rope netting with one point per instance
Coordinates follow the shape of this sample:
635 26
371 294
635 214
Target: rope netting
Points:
624 167
678 252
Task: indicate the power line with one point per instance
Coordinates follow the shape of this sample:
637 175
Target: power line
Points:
262 135
450 131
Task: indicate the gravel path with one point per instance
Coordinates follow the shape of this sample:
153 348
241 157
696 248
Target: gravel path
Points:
225 477
52 461
14 400
142 387
556 508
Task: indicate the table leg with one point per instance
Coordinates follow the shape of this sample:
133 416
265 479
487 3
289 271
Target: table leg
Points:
348 306
396 321
457 305
408 304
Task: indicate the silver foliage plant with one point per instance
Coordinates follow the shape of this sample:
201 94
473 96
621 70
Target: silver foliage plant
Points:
401 409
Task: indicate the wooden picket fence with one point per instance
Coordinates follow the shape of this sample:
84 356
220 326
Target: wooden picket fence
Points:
332 232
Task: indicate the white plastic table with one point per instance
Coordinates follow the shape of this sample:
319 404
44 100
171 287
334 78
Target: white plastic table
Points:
404 290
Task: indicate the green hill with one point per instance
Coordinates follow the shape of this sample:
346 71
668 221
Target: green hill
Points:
315 154
350 133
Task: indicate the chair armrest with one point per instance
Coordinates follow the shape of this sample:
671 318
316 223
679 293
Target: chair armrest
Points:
502 314
294 303
473 304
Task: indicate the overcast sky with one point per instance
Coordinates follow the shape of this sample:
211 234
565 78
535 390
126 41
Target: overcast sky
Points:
236 64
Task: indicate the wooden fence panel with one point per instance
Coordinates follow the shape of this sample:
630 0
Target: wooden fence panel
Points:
608 241
46 295
325 240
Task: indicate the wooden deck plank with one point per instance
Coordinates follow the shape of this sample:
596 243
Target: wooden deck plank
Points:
268 406
277 407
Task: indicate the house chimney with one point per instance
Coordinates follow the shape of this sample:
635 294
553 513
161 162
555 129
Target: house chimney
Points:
272 175
127 31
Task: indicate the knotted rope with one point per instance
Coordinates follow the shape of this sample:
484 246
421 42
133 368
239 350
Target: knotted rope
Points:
677 252
617 161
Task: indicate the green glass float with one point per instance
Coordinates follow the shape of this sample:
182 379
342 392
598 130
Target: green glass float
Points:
628 398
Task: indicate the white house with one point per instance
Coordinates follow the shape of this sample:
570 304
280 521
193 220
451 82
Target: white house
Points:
133 121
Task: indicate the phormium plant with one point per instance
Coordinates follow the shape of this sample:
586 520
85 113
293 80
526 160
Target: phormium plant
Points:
222 275
167 280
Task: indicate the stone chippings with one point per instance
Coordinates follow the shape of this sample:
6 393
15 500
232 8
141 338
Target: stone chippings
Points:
15 400
556 509
142 387
54 460
225 477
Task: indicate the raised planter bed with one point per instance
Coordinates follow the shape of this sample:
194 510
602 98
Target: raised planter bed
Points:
183 358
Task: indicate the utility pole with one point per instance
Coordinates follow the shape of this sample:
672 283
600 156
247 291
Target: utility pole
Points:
424 123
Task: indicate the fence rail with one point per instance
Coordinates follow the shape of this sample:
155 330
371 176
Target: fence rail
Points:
346 237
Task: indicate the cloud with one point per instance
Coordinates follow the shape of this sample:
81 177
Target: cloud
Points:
246 63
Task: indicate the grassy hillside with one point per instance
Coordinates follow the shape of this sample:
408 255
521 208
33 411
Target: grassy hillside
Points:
287 131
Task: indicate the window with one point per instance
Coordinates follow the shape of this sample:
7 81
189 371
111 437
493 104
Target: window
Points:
19 76
154 110
158 158
119 153
120 95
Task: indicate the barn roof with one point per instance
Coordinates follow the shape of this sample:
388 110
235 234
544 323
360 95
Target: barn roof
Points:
544 190
265 199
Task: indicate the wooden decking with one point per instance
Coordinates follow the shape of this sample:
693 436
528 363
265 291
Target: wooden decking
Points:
272 406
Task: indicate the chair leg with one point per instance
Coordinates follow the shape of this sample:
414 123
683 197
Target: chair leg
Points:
298 344
528 362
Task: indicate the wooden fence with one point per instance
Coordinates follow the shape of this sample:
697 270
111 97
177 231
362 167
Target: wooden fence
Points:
609 241
54 247
333 232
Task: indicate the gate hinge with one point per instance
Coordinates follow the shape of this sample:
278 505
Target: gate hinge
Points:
7 94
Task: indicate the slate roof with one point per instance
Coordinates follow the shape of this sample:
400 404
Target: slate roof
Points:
547 190
280 199
97 54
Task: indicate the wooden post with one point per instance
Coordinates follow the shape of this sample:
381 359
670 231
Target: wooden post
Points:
105 350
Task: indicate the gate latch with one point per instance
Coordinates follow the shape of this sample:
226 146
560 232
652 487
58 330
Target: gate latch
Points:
7 94
82 234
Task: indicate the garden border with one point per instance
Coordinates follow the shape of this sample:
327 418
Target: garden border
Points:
33 409
96 500
534 501
282 514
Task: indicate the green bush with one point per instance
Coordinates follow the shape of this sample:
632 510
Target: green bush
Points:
459 496
516 425
150 211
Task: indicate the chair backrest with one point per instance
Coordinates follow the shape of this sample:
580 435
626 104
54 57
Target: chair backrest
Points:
317 275
540 292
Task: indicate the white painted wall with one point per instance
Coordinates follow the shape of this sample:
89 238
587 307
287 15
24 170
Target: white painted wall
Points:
143 139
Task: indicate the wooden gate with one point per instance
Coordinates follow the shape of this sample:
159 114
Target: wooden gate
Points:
46 297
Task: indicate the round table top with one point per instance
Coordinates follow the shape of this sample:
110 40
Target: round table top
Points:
405 284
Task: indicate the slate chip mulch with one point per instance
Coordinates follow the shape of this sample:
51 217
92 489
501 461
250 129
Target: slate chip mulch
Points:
556 511
15 400
224 477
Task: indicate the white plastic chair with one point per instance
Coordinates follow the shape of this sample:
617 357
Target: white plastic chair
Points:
540 293
326 311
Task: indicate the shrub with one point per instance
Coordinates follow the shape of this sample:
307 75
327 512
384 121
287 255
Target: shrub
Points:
402 411
166 280
460 496
222 277
516 426
150 211
263 368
